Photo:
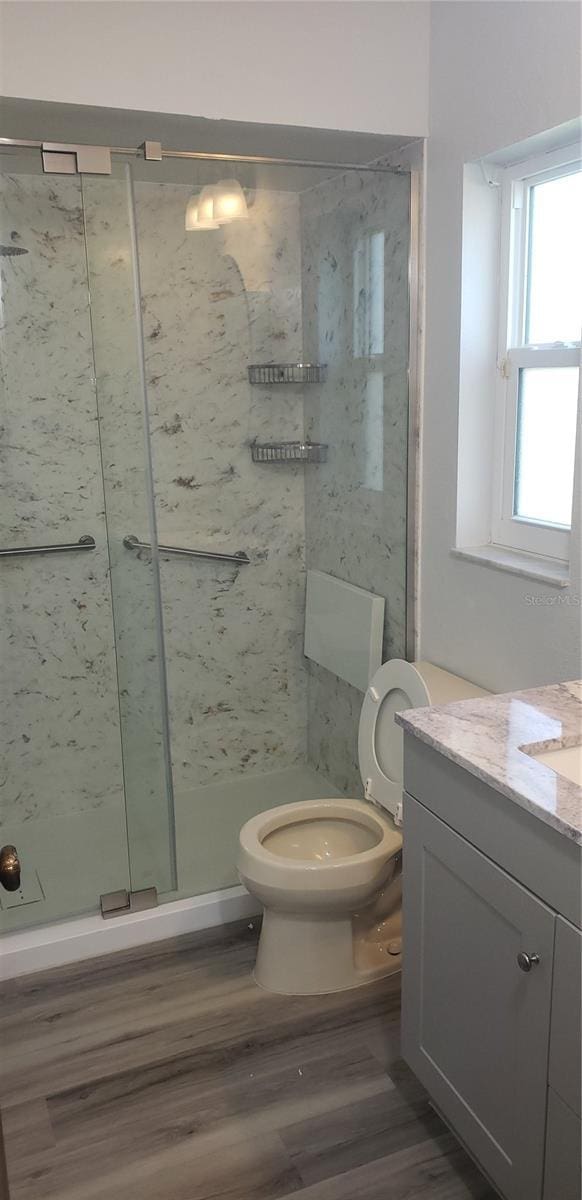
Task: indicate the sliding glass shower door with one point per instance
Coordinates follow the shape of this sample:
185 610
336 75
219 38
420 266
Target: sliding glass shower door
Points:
121 396
265 468
84 791
298 467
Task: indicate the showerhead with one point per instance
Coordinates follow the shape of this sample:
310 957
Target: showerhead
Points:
12 251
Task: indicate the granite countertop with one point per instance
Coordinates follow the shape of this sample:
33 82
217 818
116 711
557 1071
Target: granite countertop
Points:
494 738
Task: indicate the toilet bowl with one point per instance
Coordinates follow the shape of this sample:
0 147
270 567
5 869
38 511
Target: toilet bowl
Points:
314 865
328 872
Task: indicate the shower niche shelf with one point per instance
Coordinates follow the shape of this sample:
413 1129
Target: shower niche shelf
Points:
289 452
269 373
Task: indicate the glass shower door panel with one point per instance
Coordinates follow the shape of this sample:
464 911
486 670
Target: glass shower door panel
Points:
61 783
356 246
129 511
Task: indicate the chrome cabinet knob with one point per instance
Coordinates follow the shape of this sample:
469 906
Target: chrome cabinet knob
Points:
525 961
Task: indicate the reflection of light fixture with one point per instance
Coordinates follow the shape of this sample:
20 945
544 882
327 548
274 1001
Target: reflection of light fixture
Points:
218 204
199 213
229 202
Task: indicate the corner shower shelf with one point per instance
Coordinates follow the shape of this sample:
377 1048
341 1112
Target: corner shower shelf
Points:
286 373
286 452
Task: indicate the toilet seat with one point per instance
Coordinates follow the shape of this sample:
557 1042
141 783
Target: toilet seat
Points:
395 686
256 861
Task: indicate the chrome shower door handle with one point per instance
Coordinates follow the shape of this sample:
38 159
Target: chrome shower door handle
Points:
86 542
131 542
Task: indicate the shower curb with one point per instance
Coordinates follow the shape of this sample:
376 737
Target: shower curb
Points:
30 950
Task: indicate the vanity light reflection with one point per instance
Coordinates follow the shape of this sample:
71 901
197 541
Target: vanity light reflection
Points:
218 204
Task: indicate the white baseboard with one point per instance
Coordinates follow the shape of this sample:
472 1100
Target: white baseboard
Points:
62 942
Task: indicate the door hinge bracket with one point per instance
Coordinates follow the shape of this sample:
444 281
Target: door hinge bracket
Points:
152 151
116 904
61 158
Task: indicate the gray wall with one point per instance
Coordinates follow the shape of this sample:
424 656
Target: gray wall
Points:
499 74
354 65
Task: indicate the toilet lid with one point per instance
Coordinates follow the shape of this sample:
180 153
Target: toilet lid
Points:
395 686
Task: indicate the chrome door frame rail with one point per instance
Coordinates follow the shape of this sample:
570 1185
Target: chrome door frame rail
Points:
87 542
133 543
154 152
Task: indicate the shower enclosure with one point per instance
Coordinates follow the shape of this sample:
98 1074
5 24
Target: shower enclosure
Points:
191 419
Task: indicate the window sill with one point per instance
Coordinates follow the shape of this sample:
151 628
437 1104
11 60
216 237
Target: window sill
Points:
517 562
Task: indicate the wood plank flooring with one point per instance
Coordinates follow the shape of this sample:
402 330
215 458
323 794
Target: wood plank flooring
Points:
167 1074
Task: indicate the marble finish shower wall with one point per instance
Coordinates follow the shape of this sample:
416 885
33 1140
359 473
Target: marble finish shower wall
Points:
59 712
213 302
355 242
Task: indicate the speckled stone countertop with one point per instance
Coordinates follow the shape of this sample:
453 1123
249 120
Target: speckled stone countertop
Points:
494 738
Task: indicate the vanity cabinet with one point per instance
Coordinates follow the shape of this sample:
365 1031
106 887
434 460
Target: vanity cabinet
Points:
477 1026
491 980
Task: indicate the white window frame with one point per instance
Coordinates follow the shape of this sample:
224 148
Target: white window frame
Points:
509 530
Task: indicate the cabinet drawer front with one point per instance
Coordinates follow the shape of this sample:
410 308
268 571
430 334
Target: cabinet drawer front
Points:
562 1180
565 1049
475 1026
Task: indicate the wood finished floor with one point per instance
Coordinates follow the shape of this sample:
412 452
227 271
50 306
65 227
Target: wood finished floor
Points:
166 1074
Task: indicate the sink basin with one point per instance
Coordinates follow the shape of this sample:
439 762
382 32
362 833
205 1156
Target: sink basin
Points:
566 761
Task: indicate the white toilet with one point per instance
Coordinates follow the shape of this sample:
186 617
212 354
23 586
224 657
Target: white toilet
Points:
327 872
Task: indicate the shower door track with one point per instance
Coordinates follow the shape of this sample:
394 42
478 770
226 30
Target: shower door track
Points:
154 152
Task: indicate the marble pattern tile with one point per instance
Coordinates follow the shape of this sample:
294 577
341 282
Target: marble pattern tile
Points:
60 721
213 302
334 715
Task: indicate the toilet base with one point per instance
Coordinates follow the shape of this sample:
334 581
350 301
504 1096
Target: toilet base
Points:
312 956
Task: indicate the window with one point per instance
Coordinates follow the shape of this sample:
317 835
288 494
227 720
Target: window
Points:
539 354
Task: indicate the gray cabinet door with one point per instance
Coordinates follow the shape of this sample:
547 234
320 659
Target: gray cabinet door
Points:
563 1176
565 1040
476 1026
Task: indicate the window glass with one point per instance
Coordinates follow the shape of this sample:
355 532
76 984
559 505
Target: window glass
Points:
546 437
554 288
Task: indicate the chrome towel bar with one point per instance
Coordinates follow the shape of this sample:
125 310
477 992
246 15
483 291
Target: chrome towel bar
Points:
87 542
133 543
